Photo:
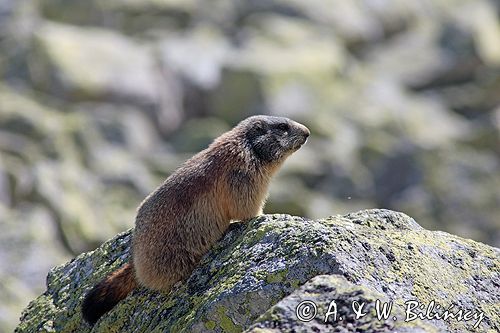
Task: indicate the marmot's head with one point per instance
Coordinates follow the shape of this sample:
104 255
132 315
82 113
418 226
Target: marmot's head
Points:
272 139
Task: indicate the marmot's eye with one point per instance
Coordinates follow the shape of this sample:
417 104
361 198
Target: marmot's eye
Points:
283 127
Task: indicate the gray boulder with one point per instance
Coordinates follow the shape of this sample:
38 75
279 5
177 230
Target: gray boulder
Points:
251 281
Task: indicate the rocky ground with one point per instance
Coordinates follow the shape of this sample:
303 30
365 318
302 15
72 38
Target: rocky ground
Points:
100 100
251 281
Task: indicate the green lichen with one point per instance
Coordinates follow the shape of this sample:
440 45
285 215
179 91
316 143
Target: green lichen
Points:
210 325
294 283
226 323
276 277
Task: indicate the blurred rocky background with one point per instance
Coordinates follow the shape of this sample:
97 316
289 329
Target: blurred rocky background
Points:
101 100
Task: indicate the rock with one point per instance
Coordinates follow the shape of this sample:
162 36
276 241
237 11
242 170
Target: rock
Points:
332 298
448 175
43 150
94 63
277 45
27 251
196 56
126 15
197 134
482 19
251 278
349 20
281 66
240 90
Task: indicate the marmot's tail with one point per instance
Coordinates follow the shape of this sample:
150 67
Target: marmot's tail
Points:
107 293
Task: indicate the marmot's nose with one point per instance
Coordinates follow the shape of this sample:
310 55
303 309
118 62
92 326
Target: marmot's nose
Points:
305 131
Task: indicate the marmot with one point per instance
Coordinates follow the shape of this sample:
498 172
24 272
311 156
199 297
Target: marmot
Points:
183 218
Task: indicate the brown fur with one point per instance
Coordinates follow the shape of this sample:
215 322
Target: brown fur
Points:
181 220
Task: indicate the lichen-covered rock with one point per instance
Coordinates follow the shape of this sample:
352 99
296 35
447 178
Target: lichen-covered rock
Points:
250 280
330 303
94 64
